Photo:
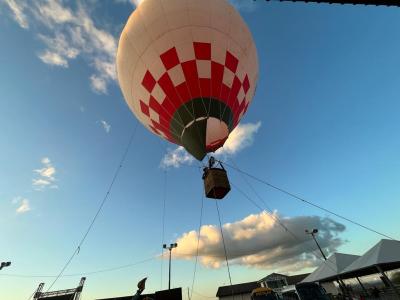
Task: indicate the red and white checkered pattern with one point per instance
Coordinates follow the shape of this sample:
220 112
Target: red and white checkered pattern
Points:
180 81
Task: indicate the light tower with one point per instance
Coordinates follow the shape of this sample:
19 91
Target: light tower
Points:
171 246
313 233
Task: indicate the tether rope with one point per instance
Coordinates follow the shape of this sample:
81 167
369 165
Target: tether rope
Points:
99 209
223 242
163 226
275 217
198 242
308 202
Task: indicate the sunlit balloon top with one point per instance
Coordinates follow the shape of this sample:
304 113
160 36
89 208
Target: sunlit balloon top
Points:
188 70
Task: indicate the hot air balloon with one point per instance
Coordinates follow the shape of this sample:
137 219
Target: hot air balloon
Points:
188 70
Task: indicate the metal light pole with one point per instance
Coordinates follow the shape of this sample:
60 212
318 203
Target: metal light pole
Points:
5 264
313 233
171 246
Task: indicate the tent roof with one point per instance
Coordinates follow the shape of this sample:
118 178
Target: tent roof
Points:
386 253
335 264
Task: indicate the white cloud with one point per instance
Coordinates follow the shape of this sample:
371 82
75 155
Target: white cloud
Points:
53 58
17 8
98 84
259 241
67 33
106 126
52 11
23 205
45 160
176 157
45 177
241 137
136 2
40 182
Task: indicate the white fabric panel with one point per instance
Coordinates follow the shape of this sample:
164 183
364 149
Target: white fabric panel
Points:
163 43
158 28
204 68
126 63
241 95
219 46
137 33
150 12
176 75
158 94
185 52
182 36
157 68
154 116
199 14
150 56
139 92
173 5
228 77
201 34
216 130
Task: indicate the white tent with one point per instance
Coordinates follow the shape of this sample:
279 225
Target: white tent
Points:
385 254
330 268
382 257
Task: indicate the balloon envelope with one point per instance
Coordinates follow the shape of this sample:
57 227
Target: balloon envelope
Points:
188 70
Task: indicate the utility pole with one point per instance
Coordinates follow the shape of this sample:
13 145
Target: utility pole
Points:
5 264
313 233
171 246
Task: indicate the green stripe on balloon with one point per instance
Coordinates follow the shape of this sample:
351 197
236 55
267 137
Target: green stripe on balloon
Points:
193 137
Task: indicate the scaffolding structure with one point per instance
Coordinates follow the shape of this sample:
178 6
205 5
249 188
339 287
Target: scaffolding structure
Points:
68 294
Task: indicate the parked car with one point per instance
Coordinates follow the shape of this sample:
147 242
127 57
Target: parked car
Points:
304 291
262 293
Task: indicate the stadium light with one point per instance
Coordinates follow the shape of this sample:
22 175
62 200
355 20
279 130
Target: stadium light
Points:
170 247
313 233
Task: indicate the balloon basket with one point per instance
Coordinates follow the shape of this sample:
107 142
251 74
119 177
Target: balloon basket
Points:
216 182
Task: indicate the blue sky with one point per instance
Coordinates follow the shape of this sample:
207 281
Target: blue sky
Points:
323 124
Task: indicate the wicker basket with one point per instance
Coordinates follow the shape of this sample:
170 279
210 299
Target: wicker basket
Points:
216 183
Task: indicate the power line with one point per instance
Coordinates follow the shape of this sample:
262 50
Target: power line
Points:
270 212
99 209
84 273
278 220
308 202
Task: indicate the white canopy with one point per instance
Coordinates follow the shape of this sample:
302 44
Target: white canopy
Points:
385 252
335 264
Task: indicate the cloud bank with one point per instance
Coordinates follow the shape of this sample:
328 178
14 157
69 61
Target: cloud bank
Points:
258 240
67 34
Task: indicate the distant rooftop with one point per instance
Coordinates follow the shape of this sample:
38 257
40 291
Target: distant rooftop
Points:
237 289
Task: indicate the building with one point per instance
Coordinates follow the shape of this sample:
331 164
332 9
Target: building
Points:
278 281
240 291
